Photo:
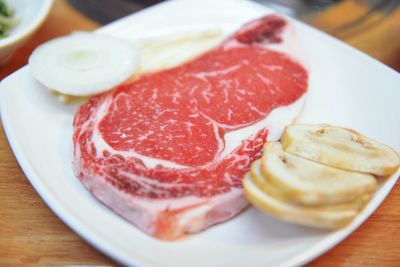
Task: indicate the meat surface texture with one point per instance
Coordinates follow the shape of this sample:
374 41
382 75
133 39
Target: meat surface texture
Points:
168 151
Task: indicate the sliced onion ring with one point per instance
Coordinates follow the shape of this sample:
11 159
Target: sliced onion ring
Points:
83 63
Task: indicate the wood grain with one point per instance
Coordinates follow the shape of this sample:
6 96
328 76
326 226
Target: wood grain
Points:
31 234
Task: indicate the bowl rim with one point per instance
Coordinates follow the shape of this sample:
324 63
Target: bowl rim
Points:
37 21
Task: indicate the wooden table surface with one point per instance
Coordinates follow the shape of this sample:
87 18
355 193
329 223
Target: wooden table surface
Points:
31 234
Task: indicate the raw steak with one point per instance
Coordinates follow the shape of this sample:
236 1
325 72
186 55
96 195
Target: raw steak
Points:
168 151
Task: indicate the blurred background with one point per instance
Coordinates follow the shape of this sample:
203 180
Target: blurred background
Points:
372 26
339 17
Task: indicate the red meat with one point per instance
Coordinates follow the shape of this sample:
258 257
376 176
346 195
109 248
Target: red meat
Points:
162 150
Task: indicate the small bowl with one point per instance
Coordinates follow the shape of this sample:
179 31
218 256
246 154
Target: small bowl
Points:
31 14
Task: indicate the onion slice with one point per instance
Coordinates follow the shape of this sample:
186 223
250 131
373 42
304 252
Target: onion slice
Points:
83 63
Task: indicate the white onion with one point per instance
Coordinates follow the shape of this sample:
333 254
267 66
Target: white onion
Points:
83 63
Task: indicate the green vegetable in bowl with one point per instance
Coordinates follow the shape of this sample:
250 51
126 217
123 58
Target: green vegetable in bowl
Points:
7 20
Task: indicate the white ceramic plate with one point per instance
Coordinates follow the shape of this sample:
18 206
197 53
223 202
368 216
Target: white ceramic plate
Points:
347 88
30 15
